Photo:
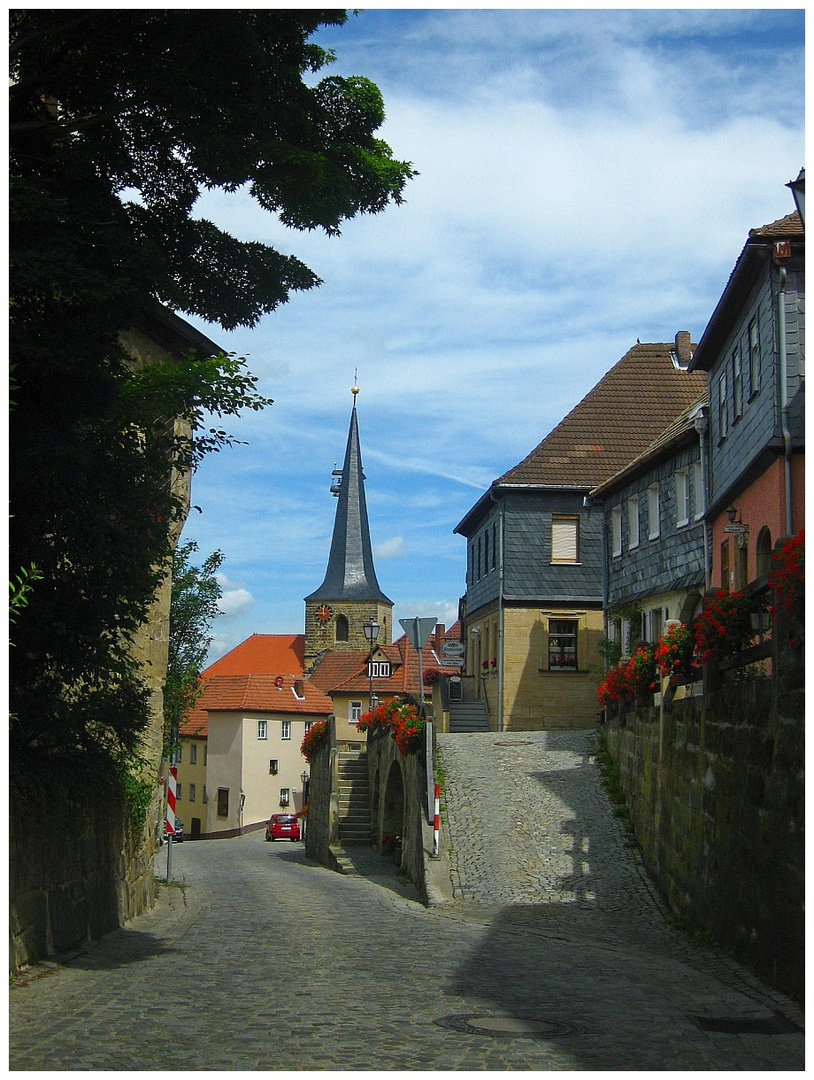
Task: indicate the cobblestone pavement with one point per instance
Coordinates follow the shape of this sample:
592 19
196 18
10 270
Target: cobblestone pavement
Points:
257 959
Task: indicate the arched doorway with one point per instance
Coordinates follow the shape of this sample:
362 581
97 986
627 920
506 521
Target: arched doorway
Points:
763 552
393 810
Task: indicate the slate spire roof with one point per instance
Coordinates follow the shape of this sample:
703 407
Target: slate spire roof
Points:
350 574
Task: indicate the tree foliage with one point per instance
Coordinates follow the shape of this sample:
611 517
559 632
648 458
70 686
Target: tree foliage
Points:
194 607
118 120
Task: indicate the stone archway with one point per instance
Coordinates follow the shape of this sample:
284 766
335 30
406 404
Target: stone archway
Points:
393 809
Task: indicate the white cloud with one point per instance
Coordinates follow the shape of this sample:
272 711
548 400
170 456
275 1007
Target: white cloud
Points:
587 177
389 549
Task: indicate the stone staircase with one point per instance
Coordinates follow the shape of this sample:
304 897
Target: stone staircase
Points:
467 716
354 798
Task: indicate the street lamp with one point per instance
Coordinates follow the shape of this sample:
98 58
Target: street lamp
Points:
798 190
371 630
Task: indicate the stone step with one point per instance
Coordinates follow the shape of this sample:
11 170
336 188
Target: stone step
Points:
468 716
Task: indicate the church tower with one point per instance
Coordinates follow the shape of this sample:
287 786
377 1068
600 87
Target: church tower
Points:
336 612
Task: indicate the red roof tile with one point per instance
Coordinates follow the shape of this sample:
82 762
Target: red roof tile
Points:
262 654
263 693
615 421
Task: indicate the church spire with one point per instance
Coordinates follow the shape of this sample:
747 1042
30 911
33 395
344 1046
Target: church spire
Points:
350 593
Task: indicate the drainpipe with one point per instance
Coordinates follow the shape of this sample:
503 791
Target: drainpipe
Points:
701 426
784 394
499 717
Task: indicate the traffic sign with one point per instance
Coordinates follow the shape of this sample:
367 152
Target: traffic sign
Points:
418 631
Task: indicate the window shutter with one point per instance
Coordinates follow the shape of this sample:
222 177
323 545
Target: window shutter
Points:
564 540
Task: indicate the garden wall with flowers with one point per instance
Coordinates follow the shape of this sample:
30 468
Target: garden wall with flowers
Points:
398 785
715 782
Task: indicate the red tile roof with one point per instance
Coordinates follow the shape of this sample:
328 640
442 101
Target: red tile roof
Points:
262 654
681 429
615 421
263 693
347 672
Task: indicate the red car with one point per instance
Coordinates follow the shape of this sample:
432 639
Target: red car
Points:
283 827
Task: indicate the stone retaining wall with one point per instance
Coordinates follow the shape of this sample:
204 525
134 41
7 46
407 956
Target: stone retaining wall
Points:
321 823
715 789
74 875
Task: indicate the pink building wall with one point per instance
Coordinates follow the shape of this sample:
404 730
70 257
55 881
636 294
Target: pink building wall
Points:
763 503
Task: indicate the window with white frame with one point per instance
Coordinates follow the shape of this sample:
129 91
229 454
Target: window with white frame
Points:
754 358
653 624
653 512
697 489
285 729
682 497
723 407
262 729
378 669
616 530
285 794
308 725
737 384
633 522
354 711
565 539
562 644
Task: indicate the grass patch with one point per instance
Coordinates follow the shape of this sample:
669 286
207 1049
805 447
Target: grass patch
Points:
613 785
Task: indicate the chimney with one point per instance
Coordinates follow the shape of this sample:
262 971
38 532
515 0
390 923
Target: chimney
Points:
683 350
440 631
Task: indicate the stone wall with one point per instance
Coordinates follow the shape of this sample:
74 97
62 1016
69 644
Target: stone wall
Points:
715 788
74 875
321 822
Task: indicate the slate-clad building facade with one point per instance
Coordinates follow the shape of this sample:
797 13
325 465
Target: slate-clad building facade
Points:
654 532
753 349
533 609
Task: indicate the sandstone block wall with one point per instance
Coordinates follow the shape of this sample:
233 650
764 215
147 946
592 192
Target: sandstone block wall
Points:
715 789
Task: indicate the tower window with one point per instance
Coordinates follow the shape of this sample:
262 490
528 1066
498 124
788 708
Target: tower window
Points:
341 628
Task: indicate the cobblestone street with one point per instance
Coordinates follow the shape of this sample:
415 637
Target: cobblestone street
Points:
553 954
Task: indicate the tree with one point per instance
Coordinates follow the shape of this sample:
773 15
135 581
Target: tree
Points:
194 607
118 120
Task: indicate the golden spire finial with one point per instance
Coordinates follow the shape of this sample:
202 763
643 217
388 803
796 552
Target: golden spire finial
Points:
355 389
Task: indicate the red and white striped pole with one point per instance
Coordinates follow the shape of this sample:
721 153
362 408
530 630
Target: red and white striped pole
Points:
436 822
172 783
169 823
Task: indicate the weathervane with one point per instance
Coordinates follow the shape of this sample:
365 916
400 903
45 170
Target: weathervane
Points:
355 389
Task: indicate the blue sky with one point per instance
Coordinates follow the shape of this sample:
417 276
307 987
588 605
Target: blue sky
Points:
587 178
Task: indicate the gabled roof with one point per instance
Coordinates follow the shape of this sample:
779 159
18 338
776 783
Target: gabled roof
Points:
262 654
263 693
615 421
676 434
757 250
347 672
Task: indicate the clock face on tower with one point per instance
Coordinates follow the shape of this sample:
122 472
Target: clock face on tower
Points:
323 614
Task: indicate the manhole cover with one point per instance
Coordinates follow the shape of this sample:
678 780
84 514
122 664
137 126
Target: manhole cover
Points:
511 1027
